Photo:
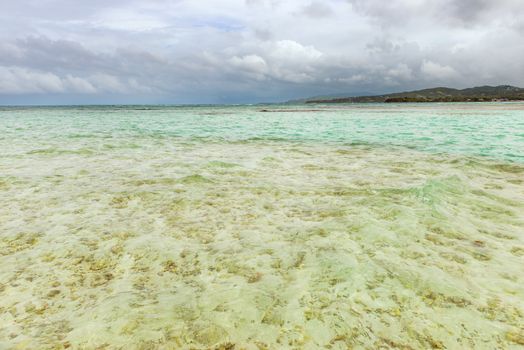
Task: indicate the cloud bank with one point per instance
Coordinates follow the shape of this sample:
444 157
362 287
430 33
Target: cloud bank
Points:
238 51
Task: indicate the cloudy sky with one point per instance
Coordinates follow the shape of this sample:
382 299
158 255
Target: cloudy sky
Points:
244 51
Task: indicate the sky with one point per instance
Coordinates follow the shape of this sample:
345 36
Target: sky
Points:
250 51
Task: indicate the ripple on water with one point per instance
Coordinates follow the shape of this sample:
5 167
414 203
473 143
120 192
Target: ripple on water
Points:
368 226
261 245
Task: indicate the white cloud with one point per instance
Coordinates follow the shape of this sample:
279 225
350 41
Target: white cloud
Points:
436 71
401 71
284 60
292 51
16 80
170 50
79 85
252 63
108 83
19 80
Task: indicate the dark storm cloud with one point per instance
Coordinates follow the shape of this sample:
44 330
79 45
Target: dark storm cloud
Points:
252 50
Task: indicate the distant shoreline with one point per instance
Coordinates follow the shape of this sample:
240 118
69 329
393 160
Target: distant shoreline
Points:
401 100
501 93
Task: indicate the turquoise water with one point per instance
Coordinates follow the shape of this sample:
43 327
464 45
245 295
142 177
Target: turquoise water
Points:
274 227
491 130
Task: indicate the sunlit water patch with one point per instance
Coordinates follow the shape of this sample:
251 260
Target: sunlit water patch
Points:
240 229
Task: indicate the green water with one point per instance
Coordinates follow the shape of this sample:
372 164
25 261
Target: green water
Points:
316 227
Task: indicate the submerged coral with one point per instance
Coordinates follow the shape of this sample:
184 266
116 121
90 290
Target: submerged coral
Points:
195 244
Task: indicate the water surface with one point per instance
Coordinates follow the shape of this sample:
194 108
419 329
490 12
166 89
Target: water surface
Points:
335 227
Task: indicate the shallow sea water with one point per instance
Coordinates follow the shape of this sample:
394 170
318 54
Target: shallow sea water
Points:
340 227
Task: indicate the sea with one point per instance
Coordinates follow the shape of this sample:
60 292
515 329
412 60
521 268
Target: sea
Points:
364 226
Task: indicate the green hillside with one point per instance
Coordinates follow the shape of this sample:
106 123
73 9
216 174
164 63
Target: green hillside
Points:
439 94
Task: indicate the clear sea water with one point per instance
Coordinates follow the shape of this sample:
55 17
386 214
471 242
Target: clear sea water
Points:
262 227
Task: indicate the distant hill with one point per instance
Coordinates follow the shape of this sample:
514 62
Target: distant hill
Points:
327 97
439 94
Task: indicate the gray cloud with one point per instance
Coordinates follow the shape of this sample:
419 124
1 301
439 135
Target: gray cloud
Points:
253 50
318 9
443 12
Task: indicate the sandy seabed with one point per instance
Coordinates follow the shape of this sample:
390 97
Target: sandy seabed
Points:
188 244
